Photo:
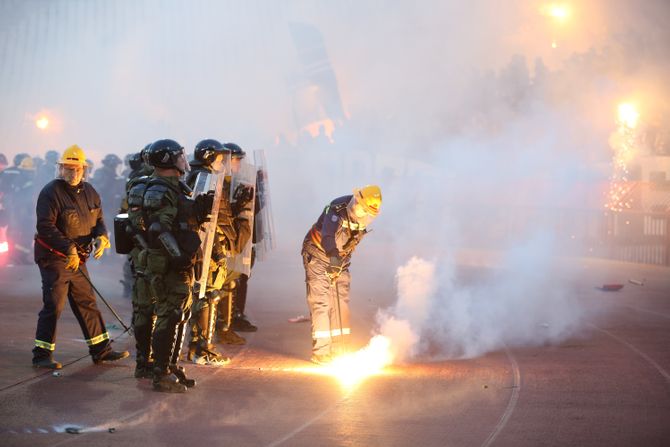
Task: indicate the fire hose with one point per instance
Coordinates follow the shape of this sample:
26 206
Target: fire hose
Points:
111 309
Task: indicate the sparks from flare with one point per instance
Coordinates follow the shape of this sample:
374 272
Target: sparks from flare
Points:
624 152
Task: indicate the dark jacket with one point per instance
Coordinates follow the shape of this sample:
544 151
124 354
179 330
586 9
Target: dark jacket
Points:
67 216
334 234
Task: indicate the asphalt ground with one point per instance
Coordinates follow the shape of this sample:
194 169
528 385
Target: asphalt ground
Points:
609 385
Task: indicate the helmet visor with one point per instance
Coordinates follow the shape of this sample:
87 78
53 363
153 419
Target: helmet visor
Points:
181 164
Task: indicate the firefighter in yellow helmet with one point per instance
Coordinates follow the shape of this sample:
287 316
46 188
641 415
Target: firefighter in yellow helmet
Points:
70 227
326 252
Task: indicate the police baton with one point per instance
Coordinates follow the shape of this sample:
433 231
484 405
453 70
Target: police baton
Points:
111 309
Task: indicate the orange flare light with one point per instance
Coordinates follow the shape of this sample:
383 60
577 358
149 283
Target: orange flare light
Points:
351 369
628 115
557 11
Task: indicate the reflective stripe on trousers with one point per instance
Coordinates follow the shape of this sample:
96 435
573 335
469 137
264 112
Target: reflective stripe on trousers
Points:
326 310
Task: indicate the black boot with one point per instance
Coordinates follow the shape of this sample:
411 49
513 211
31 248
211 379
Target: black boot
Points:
166 382
242 324
42 358
46 362
208 355
109 356
228 337
180 373
144 370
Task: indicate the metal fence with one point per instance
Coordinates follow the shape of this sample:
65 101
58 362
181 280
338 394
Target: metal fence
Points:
629 236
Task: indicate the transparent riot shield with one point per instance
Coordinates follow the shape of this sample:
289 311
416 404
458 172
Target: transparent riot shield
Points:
204 183
245 177
264 230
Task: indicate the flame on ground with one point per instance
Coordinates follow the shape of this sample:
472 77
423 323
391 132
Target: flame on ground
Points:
351 369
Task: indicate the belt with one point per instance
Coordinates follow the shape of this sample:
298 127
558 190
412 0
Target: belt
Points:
50 248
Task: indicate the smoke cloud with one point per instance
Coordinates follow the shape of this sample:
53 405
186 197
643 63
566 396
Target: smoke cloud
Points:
486 124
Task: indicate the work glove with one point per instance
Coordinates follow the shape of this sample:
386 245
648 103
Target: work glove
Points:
204 204
99 246
334 267
72 262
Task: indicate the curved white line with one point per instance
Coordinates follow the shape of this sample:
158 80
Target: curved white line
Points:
649 360
511 404
639 309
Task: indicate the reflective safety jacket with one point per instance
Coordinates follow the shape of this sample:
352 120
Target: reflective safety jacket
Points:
67 216
335 233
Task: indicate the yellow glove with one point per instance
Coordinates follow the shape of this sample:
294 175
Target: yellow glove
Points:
72 262
101 242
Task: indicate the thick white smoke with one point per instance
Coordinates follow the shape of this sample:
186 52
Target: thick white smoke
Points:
481 135
525 301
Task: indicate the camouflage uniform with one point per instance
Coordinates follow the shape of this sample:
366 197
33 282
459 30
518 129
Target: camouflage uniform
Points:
172 221
142 297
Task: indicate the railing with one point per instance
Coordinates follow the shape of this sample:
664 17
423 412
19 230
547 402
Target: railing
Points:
630 236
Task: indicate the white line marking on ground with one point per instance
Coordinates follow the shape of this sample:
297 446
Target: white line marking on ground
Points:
648 311
516 389
649 360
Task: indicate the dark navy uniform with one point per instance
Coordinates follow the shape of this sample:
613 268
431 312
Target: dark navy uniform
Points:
67 217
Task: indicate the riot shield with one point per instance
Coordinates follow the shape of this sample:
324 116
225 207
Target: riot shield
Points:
264 230
245 177
204 183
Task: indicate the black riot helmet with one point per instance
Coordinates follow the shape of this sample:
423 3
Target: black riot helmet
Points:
206 151
144 153
135 161
235 150
164 154
111 161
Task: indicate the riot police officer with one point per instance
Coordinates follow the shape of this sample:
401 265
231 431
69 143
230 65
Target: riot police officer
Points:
69 227
172 220
138 170
211 156
239 320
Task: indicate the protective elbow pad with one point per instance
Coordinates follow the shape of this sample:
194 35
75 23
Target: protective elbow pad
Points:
170 244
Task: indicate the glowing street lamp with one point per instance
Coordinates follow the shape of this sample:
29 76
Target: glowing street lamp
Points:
559 12
42 122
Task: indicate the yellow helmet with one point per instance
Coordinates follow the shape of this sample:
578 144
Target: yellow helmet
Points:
27 163
73 155
370 198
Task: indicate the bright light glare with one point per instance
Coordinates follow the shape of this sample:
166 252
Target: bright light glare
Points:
4 247
42 122
351 369
628 115
557 11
